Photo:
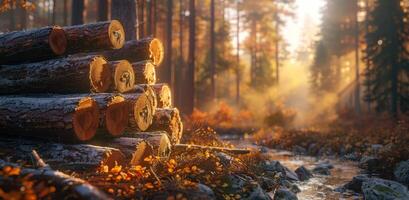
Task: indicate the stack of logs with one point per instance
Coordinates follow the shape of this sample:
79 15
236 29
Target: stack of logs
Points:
85 84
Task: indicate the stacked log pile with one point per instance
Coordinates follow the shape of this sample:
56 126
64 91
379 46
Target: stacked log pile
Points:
85 84
82 99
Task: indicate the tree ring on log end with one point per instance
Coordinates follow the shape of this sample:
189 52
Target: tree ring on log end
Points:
117 116
150 73
156 50
142 151
143 112
176 126
100 75
152 98
164 146
124 75
165 96
57 40
86 119
116 34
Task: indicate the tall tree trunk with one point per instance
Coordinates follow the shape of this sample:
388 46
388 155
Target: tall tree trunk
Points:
357 78
77 12
277 51
181 69
65 13
12 25
54 15
170 72
367 10
190 78
149 18
125 12
141 26
238 55
212 52
23 18
155 16
102 10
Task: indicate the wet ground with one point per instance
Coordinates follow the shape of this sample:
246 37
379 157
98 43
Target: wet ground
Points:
318 187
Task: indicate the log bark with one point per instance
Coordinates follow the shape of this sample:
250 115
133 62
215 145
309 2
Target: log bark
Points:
62 156
59 117
145 72
137 149
159 141
184 147
114 113
140 115
139 50
65 75
32 45
123 76
65 185
94 37
168 119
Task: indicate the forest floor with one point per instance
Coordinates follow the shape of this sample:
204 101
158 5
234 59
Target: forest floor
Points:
345 161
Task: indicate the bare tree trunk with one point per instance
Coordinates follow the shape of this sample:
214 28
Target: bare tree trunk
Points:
212 51
180 71
277 51
357 76
190 78
102 10
125 12
54 16
155 17
141 12
77 12
65 13
149 18
238 55
12 25
169 72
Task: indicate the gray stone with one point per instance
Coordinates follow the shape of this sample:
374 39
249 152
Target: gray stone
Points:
321 170
276 166
356 183
370 163
381 189
303 173
284 194
402 172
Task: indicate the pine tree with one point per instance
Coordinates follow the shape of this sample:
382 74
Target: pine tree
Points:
388 70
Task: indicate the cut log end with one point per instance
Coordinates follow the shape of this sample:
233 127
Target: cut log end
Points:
86 119
143 112
57 40
116 34
143 150
100 75
124 76
163 95
117 116
164 148
145 72
156 51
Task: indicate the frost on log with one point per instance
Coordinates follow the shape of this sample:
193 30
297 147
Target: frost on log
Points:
93 37
32 45
138 50
64 75
57 117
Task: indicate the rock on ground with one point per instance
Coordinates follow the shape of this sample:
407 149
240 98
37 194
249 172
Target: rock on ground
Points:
402 172
284 194
303 173
381 189
356 183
